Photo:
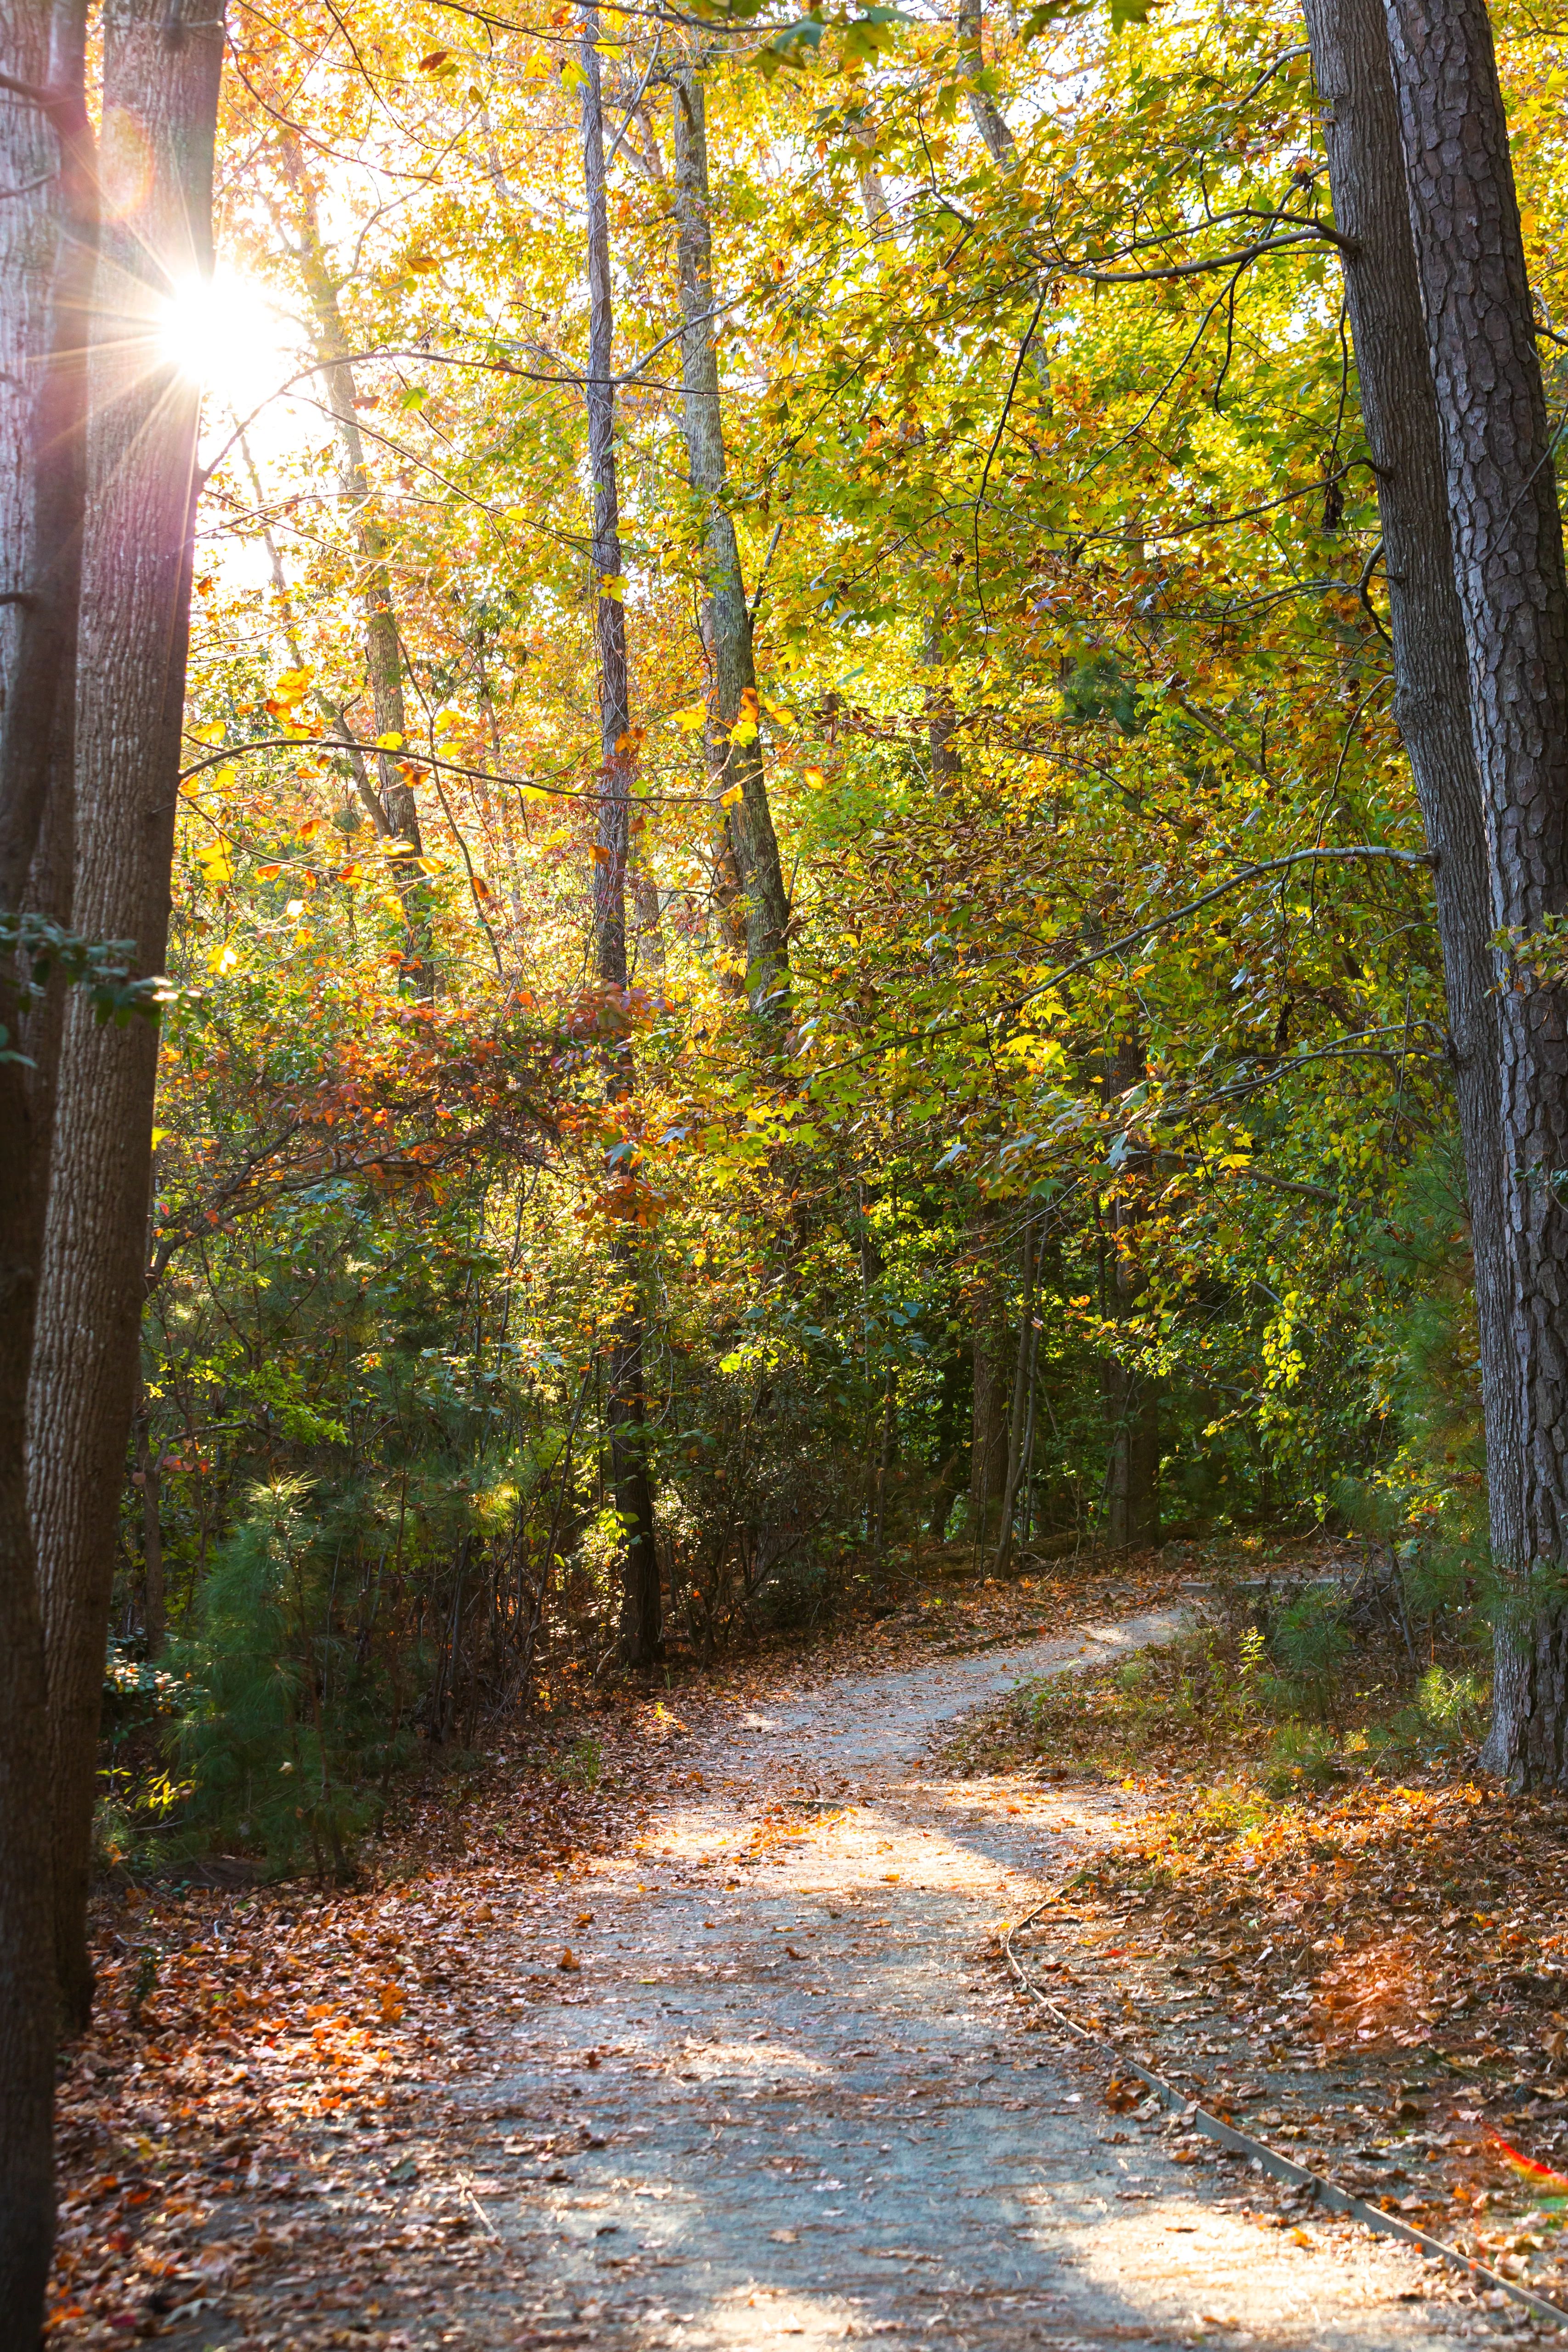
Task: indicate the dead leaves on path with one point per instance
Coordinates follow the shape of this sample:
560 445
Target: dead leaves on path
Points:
234 2035
1375 1981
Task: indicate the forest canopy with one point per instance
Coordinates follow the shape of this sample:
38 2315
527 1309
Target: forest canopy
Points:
1106 1009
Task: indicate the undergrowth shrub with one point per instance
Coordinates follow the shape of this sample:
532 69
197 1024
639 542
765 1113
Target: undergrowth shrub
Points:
287 1736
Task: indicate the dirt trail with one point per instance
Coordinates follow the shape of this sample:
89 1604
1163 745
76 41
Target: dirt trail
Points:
785 2098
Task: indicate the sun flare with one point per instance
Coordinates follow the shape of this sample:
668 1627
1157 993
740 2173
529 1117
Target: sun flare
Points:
224 333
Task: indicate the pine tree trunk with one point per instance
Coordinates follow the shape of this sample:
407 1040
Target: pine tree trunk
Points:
1399 411
48 226
641 1627
161 71
1508 567
736 764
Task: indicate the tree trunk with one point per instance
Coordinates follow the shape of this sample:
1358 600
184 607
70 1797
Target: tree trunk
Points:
148 1464
48 231
1508 567
735 736
48 226
1133 1483
988 1426
161 73
1132 1398
1399 409
1017 1420
390 804
984 113
627 1405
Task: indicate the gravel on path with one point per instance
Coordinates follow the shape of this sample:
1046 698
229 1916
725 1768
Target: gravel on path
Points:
780 2096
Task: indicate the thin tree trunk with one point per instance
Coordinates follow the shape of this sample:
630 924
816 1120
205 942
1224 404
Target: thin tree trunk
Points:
1399 409
47 259
1016 1419
160 72
640 1626
987 1455
1132 1398
148 1464
1508 568
985 114
390 803
735 736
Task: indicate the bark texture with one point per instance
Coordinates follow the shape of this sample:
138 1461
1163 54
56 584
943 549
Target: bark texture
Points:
736 765
984 112
641 1605
47 229
1508 570
1399 411
162 66
47 224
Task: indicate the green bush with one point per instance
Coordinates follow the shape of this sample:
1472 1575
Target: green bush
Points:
1309 1642
286 1733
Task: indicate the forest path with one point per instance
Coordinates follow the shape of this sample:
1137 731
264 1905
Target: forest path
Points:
783 2100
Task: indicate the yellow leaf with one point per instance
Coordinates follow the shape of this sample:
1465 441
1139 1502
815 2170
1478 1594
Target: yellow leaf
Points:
160 1135
213 733
612 587
389 742
728 800
690 720
743 731
815 776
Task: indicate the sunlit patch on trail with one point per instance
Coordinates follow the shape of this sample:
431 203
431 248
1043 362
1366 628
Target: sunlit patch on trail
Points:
714 2060
759 2316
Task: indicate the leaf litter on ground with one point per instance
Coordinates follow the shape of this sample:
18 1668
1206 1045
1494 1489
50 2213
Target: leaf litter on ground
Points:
253 2043
1362 1961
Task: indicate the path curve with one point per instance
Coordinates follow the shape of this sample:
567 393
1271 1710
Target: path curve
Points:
786 2099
